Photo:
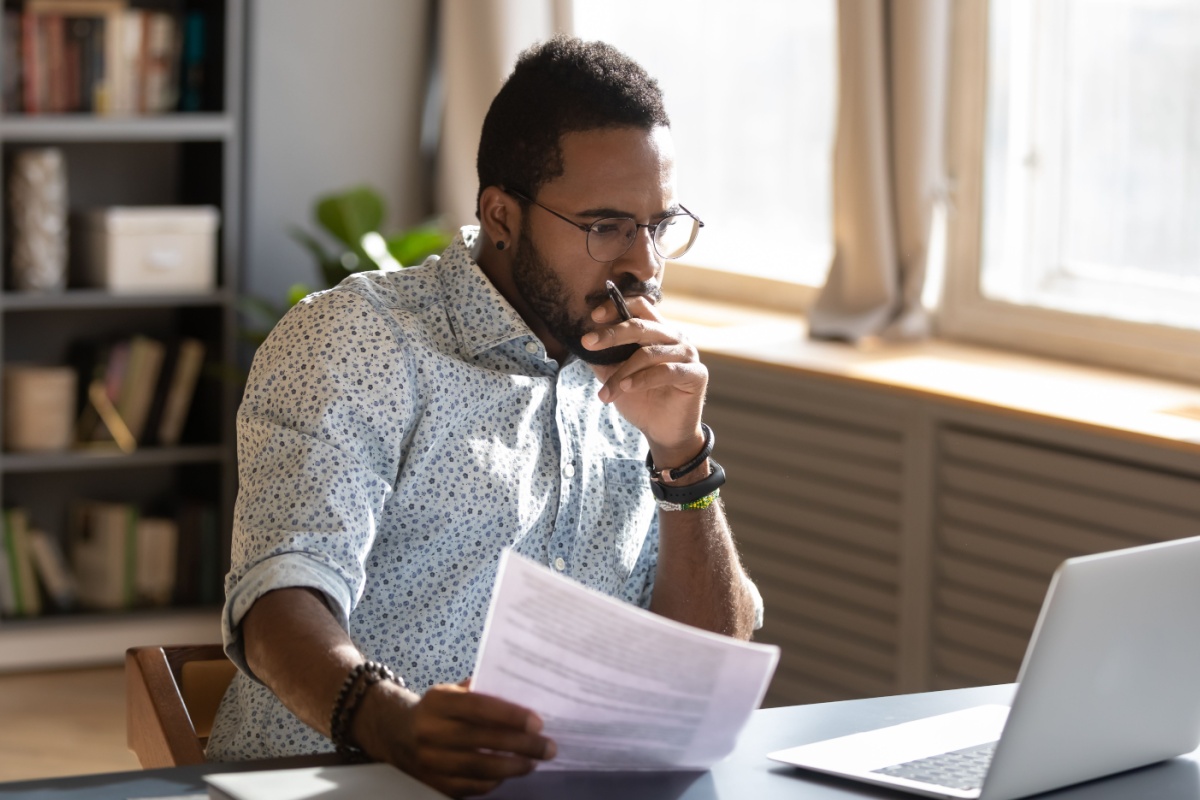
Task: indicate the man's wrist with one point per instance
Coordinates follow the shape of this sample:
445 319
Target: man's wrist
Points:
676 465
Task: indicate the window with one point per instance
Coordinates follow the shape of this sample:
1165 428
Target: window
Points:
1078 226
750 88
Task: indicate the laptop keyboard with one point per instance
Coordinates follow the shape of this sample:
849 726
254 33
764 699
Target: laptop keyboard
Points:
959 769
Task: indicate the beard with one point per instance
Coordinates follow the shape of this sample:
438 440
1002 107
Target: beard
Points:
546 296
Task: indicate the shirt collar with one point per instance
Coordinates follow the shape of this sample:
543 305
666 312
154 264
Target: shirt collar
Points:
482 317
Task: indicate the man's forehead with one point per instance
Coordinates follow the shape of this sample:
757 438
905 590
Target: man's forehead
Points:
634 165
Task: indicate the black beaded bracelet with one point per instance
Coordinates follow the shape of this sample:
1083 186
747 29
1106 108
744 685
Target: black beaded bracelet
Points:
349 698
678 472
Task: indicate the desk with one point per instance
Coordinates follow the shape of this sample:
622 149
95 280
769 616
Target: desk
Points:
747 773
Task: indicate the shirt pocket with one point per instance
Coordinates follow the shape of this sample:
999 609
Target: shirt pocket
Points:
629 510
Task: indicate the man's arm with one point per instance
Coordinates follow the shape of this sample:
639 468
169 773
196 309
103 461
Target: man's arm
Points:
699 578
455 740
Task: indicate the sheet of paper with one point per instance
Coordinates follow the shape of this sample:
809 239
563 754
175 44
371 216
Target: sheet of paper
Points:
619 688
349 782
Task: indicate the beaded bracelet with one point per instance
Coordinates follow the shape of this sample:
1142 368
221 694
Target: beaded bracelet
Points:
671 475
695 505
360 679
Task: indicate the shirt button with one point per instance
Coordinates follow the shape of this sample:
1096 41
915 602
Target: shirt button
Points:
569 471
531 347
559 564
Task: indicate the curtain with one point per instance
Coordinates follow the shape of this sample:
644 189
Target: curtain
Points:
888 169
478 43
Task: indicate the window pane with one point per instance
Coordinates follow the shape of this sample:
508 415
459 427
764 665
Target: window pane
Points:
1092 181
750 90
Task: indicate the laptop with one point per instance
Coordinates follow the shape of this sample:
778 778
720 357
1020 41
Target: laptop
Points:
1110 682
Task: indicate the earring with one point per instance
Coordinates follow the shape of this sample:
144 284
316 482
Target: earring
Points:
499 245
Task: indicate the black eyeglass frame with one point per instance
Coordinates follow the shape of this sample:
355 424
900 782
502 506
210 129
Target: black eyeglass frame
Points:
651 227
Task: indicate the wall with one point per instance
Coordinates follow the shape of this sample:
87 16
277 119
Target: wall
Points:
333 99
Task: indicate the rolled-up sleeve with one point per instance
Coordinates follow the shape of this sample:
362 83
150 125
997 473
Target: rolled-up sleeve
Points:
319 436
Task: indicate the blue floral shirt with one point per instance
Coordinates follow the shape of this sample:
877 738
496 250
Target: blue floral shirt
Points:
396 433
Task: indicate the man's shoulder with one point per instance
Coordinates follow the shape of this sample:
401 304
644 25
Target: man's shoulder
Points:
412 289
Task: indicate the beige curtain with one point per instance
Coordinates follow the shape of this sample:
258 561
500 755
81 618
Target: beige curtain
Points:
478 42
888 167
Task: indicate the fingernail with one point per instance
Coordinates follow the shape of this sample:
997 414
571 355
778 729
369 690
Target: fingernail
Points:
627 383
598 313
590 339
603 394
533 723
551 750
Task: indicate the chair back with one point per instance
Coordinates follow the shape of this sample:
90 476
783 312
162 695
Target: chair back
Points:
171 698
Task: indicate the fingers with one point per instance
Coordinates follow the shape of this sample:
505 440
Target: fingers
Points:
465 743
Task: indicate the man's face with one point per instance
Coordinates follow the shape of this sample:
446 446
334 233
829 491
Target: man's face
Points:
618 172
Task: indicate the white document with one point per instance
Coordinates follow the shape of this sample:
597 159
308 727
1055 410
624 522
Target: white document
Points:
619 688
350 782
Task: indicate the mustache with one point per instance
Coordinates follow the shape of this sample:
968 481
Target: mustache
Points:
651 290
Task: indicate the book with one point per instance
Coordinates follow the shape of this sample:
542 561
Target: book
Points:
178 390
198 578
104 554
12 62
56 577
105 38
139 383
20 563
8 594
157 546
352 782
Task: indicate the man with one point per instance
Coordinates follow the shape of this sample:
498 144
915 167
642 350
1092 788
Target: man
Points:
399 431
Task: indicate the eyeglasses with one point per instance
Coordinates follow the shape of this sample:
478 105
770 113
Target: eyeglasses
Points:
610 238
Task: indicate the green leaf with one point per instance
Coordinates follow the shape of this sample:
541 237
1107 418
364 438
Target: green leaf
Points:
415 245
297 292
309 243
349 214
259 310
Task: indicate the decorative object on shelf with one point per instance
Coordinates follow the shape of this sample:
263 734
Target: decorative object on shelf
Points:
37 194
351 218
39 408
128 249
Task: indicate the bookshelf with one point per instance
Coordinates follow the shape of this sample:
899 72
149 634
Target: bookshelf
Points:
173 158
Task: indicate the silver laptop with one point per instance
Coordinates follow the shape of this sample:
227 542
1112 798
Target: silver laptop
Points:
1110 682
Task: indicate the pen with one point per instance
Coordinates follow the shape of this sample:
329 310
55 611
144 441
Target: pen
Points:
618 300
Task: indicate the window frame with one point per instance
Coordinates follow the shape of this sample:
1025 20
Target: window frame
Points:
964 312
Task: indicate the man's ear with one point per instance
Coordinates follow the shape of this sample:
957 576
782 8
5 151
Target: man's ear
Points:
499 217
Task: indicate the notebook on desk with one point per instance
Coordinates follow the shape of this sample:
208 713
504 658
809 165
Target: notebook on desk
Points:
1110 682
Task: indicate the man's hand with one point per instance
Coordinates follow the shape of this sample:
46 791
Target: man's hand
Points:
453 739
660 388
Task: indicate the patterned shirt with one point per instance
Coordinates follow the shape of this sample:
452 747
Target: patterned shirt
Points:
396 433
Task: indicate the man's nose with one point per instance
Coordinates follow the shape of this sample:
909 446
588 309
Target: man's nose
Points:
641 259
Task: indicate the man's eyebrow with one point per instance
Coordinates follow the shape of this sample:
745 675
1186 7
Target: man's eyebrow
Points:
604 213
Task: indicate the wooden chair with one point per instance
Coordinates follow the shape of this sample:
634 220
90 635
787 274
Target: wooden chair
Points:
171 699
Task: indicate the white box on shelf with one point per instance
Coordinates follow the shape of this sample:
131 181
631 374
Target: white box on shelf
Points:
128 249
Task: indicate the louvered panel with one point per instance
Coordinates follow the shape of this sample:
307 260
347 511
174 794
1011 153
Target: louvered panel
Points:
1058 501
986 607
1008 513
838 496
1000 550
1135 482
1028 526
819 551
955 668
799 603
1005 584
760 428
969 634
814 501
747 437
769 571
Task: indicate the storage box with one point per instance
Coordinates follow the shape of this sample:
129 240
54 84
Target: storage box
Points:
39 408
150 249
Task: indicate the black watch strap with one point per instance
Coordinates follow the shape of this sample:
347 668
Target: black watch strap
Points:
683 495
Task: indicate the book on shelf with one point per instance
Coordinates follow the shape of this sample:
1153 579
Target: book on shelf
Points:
157 541
104 554
56 576
94 56
26 595
198 568
173 400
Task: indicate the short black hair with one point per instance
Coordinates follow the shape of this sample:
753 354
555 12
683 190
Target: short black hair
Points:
560 86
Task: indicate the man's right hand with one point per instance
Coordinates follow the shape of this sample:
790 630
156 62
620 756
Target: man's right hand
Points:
457 741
